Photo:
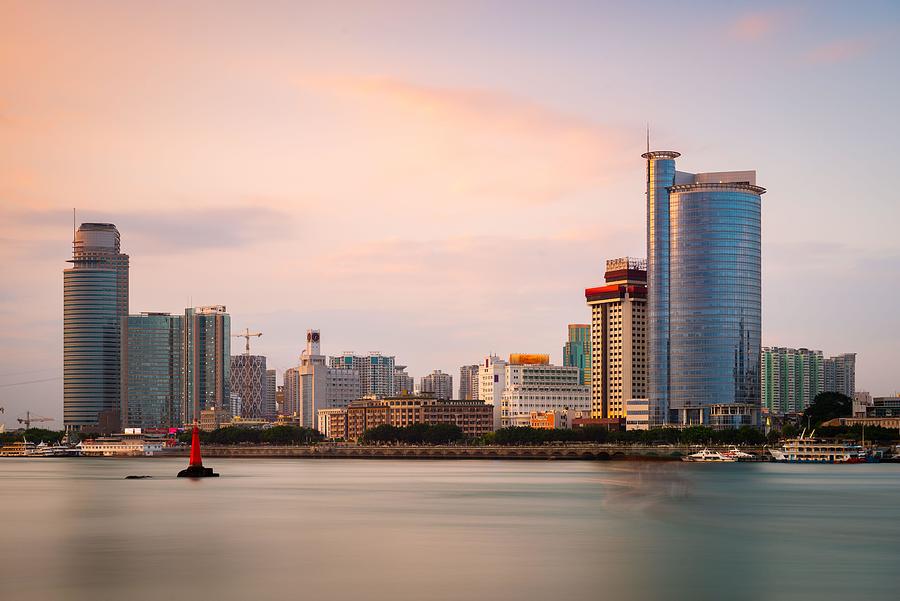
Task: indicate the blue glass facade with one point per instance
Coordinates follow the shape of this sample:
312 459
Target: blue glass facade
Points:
660 175
704 290
577 351
95 308
154 366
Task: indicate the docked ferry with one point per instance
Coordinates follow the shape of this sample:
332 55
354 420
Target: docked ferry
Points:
18 449
808 449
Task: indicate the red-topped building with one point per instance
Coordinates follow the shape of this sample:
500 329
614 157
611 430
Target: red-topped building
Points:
618 337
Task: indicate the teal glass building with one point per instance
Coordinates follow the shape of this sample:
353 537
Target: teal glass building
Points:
704 289
577 351
154 366
95 311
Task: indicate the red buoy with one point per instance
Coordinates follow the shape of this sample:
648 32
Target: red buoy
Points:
195 447
196 469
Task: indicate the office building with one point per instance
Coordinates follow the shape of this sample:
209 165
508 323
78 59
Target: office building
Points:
207 356
528 383
279 400
840 374
577 351
313 385
376 372
95 322
270 403
468 382
154 367
438 385
790 379
704 289
618 337
248 381
403 382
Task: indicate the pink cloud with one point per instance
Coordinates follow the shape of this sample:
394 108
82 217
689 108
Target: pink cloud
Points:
837 52
757 25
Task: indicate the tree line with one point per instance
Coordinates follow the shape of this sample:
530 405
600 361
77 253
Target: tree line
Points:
277 435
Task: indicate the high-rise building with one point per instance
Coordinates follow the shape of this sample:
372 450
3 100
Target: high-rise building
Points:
468 382
704 289
154 366
95 325
313 385
438 384
528 383
207 356
618 337
577 351
376 372
248 380
279 401
403 382
270 404
491 383
840 374
791 379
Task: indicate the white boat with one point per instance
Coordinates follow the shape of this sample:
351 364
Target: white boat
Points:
707 456
739 454
808 449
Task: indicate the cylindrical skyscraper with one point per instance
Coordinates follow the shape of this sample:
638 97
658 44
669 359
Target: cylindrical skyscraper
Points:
704 288
95 313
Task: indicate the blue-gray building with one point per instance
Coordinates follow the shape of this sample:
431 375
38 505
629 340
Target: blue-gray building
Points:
154 366
207 356
95 311
704 289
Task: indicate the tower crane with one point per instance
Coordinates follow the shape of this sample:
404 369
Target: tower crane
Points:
28 419
247 335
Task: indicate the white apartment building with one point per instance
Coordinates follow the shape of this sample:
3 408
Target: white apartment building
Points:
528 383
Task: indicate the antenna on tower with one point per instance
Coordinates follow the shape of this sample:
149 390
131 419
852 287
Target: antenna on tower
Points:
648 136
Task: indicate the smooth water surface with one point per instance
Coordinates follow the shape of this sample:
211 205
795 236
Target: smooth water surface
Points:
386 529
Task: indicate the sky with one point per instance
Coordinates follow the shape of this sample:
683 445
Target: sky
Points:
437 181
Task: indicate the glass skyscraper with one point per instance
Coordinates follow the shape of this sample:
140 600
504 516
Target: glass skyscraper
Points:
154 367
207 355
704 289
95 311
577 351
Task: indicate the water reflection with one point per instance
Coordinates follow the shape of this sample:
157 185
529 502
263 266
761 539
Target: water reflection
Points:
75 529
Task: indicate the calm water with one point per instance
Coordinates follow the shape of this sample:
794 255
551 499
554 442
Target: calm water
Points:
379 530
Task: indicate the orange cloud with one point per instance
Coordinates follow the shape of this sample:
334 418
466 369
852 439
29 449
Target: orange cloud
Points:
469 146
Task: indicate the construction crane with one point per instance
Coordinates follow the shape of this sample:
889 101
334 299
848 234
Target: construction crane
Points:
27 420
247 335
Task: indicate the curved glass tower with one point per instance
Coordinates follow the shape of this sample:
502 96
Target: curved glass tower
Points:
704 288
95 312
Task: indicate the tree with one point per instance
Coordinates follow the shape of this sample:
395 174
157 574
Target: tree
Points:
826 406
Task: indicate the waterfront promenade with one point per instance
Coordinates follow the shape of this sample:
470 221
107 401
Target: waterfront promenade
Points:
535 452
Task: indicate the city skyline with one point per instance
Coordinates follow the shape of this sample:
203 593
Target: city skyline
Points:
256 184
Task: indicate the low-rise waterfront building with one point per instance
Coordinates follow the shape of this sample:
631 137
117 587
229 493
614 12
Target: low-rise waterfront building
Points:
213 419
557 419
473 417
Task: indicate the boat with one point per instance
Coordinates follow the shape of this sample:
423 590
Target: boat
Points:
707 456
809 449
18 449
739 455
